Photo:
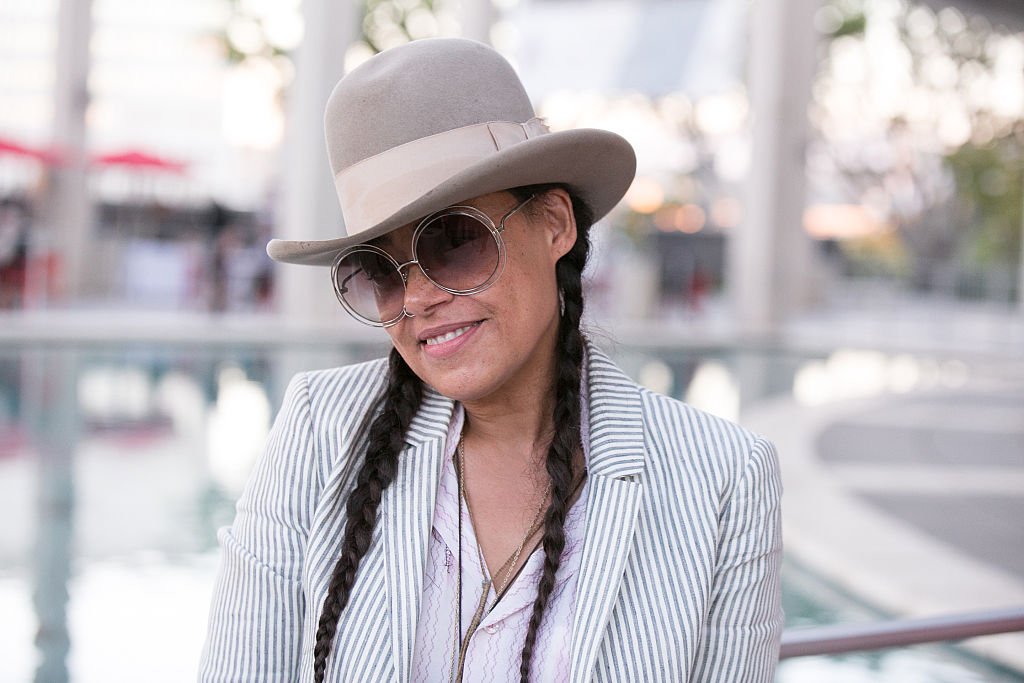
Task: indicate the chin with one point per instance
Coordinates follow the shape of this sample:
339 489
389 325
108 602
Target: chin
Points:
462 384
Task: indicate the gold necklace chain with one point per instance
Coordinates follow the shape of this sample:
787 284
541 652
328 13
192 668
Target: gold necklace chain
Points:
462 643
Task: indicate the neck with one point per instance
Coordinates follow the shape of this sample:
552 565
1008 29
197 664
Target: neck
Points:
522 425
516 425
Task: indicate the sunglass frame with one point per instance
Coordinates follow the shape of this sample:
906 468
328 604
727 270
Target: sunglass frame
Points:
458 210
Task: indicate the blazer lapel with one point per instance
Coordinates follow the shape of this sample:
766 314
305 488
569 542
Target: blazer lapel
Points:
615 464
408 506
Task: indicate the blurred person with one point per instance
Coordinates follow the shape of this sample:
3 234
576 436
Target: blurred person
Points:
697 288
14 226
496 501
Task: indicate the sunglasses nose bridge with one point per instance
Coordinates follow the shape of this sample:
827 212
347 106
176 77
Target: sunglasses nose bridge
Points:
401 268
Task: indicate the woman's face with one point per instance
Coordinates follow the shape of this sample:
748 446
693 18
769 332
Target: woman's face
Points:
504 337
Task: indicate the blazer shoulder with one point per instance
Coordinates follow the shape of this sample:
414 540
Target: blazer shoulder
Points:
340 392
678 431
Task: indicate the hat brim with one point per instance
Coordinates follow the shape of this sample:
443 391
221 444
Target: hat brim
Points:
596 164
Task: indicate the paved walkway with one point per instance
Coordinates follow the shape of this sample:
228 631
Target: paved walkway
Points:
912 502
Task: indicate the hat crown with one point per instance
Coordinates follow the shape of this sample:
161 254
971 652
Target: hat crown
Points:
437 122
418 90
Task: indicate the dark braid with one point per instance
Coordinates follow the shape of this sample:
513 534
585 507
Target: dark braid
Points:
566 443
387 436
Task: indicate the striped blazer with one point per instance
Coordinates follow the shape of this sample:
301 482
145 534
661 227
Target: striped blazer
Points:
679 579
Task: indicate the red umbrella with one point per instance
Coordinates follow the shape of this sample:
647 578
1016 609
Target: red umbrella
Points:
135 159
12 148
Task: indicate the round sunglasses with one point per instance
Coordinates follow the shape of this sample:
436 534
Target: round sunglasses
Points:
459 249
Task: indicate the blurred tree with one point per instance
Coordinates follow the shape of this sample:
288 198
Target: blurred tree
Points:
257 38
919 115
268 31
990 190
258 29
392 22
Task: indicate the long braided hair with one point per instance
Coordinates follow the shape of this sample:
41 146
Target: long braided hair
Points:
399 405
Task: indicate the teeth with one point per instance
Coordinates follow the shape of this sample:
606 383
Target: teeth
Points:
442 338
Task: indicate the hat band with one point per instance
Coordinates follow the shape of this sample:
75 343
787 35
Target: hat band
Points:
377 187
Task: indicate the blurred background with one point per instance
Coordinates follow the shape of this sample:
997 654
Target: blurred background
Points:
823 241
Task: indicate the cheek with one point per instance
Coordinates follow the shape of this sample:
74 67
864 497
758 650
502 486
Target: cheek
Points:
532 265
531 297
404 341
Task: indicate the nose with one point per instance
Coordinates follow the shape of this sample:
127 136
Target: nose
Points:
422 295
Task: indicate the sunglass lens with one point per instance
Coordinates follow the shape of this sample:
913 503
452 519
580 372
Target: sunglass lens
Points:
458 252
370 286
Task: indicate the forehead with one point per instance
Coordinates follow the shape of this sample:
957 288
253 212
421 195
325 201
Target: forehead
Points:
399 239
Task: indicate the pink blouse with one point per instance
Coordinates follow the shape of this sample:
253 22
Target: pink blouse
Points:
496 647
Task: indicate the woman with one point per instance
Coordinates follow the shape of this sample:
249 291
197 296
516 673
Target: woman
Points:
497 501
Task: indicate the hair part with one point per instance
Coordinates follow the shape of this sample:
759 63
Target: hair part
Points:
399 405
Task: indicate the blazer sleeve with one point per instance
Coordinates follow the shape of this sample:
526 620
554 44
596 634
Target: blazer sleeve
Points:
256 616
744 624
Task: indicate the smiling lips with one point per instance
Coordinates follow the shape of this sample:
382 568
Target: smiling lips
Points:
450 335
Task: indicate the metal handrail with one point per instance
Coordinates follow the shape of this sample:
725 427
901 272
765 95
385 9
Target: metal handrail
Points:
840 638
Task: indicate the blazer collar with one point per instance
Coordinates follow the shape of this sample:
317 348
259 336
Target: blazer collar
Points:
616 419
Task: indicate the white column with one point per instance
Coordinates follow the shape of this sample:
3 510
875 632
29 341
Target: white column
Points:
67 210
769 252
478 17
1020 266
308 208
309 205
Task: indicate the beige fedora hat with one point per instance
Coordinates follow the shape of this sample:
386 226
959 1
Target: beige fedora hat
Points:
434 122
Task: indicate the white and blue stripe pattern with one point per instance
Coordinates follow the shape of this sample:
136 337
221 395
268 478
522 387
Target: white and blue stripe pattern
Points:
679 579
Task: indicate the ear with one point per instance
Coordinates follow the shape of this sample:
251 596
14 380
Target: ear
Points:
555 208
